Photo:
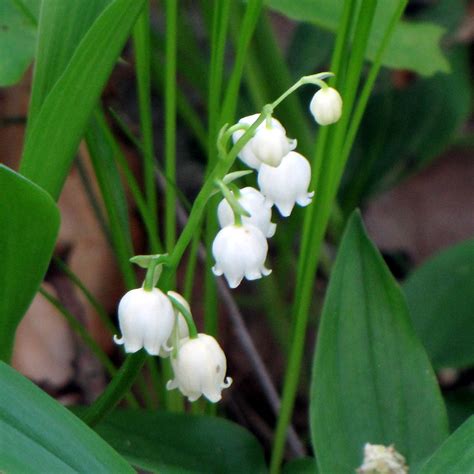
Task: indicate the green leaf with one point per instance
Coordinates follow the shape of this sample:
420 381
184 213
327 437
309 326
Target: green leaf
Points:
456 454
17 41
301 466
40 434
62 27
171 442
413 46
440 294
372 381
58 127
29 223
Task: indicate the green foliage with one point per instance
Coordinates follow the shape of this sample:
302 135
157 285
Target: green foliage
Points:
171 442
39 433
74 95
61 28
29 223
440 295
455 455
372 381
17 40
413 46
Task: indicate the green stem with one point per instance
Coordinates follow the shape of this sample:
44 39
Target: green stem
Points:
141 39
170 122
220 23
246 29
193 332
119 385
317 226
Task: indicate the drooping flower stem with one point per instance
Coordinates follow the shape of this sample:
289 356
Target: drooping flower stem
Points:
316 79
193 333
237 209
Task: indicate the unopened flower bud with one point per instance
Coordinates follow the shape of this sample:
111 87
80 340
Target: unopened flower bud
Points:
380 459
326 106
180 322
287 184
268 145
199 369
253 201
240 251
146 320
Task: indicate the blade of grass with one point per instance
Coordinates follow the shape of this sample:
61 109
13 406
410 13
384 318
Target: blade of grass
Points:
141 41
50 146
170 122
318 217
103 149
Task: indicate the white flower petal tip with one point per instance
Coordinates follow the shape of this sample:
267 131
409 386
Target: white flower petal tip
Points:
287 184
268 145
217 271
254 202
271 230
199 369
240 251
146 319
233 282
326 106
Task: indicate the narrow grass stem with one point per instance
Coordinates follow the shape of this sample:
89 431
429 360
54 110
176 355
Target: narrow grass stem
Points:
141 40
170 122
317 221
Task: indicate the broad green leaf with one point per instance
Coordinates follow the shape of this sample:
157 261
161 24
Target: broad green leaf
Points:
301 466
172 443
61 28
440 294
60 123
372 381
17 41
413 46
29 223
40 435
455 455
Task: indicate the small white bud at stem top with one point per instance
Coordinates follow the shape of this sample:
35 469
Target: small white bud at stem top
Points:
326 106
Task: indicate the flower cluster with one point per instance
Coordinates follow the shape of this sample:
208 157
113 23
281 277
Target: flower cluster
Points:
240 247
156 321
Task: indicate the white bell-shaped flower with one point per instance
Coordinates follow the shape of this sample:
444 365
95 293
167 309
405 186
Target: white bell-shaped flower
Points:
254 202
181 325
326 106
240 251
287 184
199 369
146 319
268 145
